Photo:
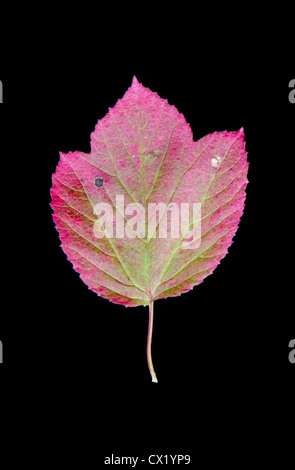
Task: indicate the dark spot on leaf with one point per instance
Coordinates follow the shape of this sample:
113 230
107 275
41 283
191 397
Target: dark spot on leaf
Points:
98 182
156 153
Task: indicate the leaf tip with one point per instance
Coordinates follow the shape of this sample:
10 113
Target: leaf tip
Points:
135 83
134 80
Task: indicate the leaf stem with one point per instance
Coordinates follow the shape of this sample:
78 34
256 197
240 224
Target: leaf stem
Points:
149 343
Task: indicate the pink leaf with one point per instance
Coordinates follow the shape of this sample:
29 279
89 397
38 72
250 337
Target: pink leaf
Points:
142 153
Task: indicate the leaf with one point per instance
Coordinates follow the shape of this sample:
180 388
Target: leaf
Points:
142 153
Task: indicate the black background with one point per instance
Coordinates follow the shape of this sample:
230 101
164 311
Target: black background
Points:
221 350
